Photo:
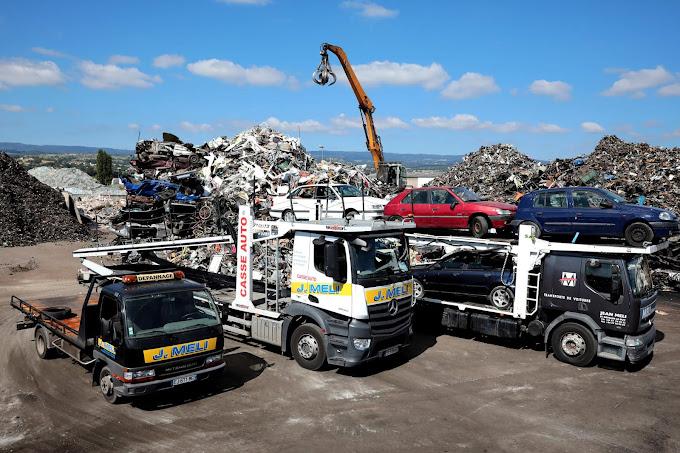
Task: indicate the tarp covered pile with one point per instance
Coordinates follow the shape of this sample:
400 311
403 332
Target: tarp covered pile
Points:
32 212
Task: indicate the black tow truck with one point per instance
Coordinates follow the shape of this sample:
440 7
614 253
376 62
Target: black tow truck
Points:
146 331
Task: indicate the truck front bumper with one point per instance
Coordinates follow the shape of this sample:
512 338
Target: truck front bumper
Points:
145 388
640 346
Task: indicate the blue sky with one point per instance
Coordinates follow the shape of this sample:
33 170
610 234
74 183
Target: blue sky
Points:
446 77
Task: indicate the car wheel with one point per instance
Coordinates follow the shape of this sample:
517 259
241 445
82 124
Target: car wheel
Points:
351 214
479 227
537 230
501 297
106 386
288 216
418 289
193 159
574 344
42 345
308 347
396 218
638 233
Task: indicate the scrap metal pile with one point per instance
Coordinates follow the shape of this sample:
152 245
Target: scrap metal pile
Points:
186 191
33 212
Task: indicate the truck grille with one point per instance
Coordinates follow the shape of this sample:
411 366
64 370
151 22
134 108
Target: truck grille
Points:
382 322
176 369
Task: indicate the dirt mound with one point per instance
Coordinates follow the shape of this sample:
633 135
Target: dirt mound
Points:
32 212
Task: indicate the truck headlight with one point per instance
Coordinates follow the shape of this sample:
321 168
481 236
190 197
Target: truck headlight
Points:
503 211
634 342
361 344
665 215
136 375
213 359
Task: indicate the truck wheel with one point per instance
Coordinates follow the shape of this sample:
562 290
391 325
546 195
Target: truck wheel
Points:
42 346
637 233
106 385
288 216
308 347
537 230
501 297
479 226
418 289
574 344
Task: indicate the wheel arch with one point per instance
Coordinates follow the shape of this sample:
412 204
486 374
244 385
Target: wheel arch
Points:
479 214
579 318
296 315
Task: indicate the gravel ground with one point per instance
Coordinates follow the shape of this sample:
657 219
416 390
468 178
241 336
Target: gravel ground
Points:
446 393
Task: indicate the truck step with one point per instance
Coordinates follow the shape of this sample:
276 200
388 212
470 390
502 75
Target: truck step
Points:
245 322
236 330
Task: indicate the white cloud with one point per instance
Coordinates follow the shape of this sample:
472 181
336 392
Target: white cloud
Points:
514 91
304 126
23 72
381 123
370 9
543 128
133 126
166 60
49 52
674 134
49 109
231 72
397 74
638 95
669 90
635 81
558 90
246 2
191 127
123 59
465 122
14 108
591 127
471 85
651 123
156 128
112 77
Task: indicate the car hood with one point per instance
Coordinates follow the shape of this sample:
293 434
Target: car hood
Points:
496 205
647 211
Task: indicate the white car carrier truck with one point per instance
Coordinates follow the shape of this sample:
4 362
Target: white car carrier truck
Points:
585 301
351 295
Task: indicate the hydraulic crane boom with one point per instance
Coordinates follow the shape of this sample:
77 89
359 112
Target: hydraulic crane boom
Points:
323 74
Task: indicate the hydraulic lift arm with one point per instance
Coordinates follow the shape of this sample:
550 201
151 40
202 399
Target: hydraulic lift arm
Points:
323 74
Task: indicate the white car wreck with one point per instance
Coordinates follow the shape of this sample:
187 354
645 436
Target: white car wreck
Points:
322 200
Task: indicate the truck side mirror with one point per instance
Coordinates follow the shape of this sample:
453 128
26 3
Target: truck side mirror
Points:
331 263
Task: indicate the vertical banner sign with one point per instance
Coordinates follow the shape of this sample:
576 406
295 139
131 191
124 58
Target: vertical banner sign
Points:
244 276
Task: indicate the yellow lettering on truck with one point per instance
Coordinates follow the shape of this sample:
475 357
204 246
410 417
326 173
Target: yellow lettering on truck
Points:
179 350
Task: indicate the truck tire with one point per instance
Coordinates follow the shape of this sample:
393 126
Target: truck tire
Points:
638 233
501 297
42 345
418 289
574 344
58 312
308 347
479 226
106 385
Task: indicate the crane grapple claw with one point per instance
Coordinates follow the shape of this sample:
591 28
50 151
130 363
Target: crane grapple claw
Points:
324 72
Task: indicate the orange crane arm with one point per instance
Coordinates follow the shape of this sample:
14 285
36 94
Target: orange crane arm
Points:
366 107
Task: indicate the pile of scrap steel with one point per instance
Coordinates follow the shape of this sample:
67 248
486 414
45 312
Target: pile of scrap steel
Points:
182 190
33 212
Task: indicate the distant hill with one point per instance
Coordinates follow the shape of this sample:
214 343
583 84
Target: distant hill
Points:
410 161
21 148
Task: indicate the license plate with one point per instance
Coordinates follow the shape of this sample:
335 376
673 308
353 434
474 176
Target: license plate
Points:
390 351
183 380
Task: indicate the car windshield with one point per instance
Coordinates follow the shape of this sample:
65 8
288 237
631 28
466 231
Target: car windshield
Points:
465 195
614 197
348 191
157 314
380 256
640 277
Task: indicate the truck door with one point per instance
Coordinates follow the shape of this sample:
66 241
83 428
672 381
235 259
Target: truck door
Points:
608 308
111 334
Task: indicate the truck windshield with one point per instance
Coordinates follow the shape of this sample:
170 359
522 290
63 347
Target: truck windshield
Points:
385 255
640 277
157 314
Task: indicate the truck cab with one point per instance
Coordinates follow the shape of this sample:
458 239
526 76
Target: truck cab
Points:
145 332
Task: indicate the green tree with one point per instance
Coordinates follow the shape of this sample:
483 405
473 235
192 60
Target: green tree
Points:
104 167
